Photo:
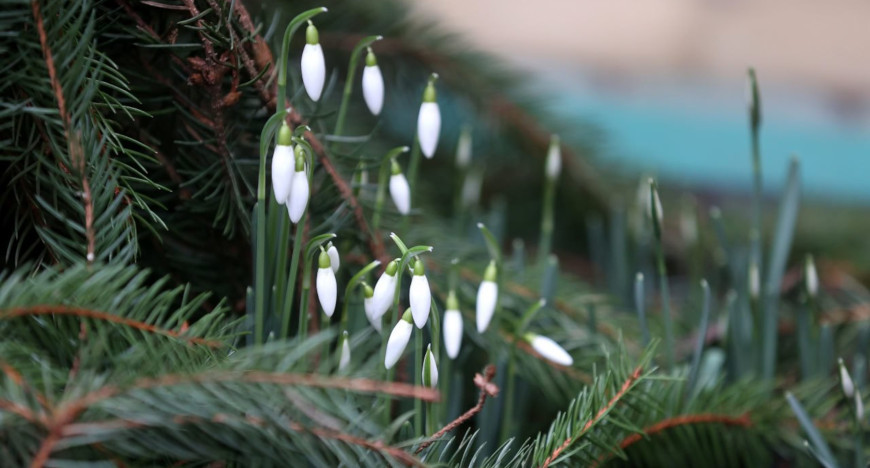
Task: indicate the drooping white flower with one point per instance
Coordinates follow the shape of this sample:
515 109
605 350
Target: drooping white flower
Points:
811 277
399 189
299 191
429 120
845 380
487 297
313 64
344 354
385 290
368 305
334 259
419 296
373 84
754 281
283 165
327 289
549 349
463 148
653 204
452 327
859 407
398 340
554 158
430 369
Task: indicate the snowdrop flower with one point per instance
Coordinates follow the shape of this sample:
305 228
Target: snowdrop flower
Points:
368 305
398 340
554 159
463 148
344 355
326 285
452 326
419 295
754 281
846 380
373 84
385 290
313 64
399 189
283 163
429 120
811 277
299 191
549 349
334 260
859 407
654 204
487 296
430 369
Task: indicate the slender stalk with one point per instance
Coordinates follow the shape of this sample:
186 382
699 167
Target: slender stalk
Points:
290 290
547 210
805 345
640 305
348 82
699 345
418 380
507 414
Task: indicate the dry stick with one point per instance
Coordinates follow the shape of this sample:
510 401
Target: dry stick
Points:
487 389
76 152
610 404
81 312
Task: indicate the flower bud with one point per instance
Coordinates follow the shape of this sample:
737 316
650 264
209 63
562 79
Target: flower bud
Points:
845 380
419 296
344 356
398 340
487 297
373 84
754 281
369 306
385 290
554 158
429 120
313 64
399 189
299 190
463 148
334 259
430 369
452 327
549 349
327 288
283 164
811 277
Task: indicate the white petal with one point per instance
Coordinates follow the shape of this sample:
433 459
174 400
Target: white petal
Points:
385 290
344 358
812 278
298 199
334 260
421 299
313 70
452 332
368 305
487 295
397 343
283 166
554 162
433 370
551 350
429 128
846 382
373 88
401 193
326 290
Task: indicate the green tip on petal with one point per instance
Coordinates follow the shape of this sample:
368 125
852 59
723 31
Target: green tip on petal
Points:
392 268
285 135
368 292
529 337
419 269
452 302
407 316
427 367
323 261
371 60
491 272
395 168
429 94
311 35
555 141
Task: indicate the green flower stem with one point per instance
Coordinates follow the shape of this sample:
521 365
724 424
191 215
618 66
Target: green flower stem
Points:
348 82
663 275
547 210
418 380
414 165
290 290
383 181
805 345
507 415
435 338
283 230
294 24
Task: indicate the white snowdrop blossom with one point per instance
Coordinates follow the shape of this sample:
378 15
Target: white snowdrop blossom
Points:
654 204
487 297
419 296
299 191
554 159
327 289
846 380
385 290
398 340
283 165
334 259
811 277
754 281
369 305
313 64
429 120
430 369
549 349
399 189
452 326
344 356
463 148
373 84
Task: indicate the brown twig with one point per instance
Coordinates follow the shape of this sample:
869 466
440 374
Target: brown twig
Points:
104 316
688 419
487 389
601 413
